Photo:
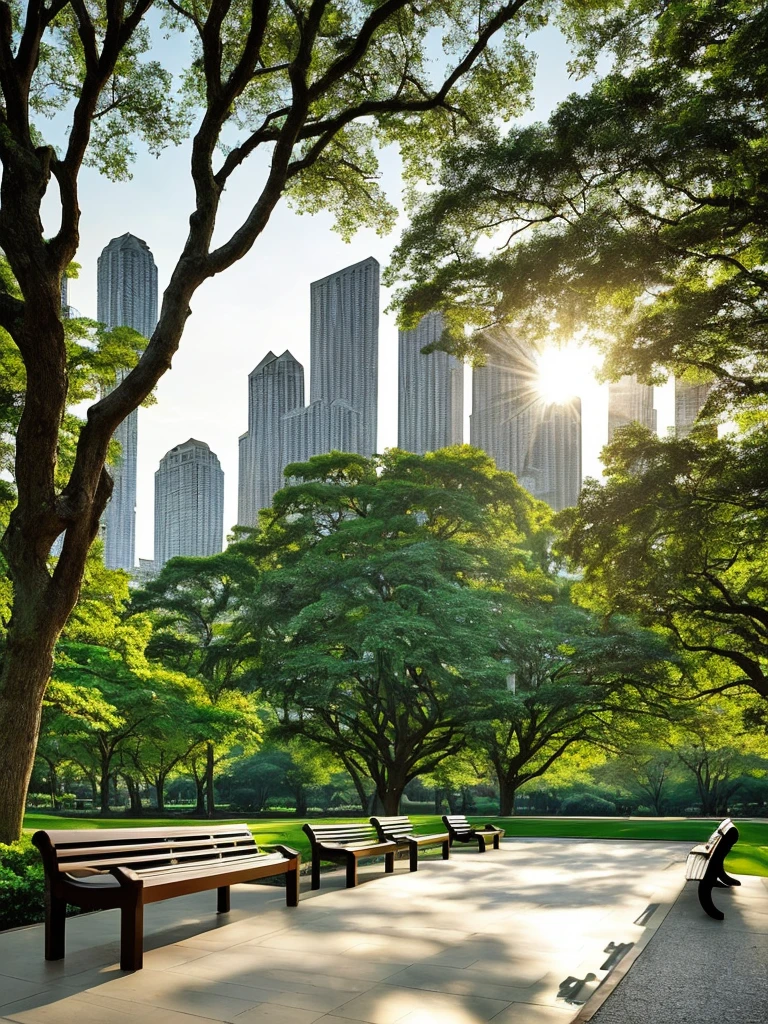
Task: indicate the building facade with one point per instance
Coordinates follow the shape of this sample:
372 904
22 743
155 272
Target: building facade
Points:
537 441
189 503
341 415
689 401
629 401
344 346
430 410
126 297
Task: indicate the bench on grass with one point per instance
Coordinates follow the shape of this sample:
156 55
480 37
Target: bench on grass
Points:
400 830
347 844
120 868
461 831
706 865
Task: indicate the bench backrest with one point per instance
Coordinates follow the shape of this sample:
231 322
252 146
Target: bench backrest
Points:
720 832
395 828
88 851
341 834
458 823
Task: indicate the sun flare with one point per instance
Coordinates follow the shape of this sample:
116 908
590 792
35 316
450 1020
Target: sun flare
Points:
563 372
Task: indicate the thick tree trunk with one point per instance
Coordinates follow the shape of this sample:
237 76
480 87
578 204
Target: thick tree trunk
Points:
160 791
210 795
26 670
507 790
104 783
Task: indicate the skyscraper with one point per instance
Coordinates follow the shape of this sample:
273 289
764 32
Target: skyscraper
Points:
430 391
127 297
275 387
629 401
189 503
537 441
689 401
344 343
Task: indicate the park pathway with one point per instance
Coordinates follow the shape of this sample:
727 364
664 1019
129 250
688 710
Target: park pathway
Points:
523 935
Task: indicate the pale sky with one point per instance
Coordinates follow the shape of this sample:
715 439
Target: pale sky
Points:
262 302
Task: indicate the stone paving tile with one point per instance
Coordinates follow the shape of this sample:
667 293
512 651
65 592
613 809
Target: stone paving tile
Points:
91 1009
385 1004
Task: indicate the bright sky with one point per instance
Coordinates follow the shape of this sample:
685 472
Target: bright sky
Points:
262 303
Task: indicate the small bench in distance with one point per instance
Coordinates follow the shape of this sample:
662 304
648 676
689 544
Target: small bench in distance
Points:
124 869
400 831
347 844
706 865
461 831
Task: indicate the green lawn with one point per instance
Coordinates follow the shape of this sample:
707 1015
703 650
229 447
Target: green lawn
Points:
749 858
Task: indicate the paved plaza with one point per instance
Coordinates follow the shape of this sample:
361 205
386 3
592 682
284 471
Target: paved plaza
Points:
523 935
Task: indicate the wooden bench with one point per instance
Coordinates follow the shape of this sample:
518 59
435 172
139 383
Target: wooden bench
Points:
347 844
400 831
107 869
706 865
461 831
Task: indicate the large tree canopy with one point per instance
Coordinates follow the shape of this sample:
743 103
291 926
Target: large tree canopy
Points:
636 216
307 91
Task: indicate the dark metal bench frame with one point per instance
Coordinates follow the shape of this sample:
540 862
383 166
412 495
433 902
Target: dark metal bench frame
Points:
400 830
347 844
461 831
150 864
706 864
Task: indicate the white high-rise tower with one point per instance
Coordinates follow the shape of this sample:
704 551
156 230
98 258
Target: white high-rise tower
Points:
629 401
127 297
189 503
430 391
689 401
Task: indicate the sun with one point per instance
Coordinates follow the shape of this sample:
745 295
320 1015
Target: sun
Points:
562 372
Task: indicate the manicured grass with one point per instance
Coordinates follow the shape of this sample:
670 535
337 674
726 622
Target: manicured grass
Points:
749 858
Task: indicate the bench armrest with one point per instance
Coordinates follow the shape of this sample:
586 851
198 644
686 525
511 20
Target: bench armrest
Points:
287 851
126 877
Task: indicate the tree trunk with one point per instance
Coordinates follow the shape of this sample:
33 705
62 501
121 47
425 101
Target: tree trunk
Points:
159 792
507 792
54 785
210 795
300 794
104 783
200 788
26 670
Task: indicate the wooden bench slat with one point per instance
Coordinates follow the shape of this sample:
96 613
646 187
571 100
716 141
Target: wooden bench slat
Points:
219 842
206 856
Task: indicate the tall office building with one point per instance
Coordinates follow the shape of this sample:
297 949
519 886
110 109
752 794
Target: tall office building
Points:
344 345
689 401
189 503
537 441
126 297
341 415
430 391
275 387
629 401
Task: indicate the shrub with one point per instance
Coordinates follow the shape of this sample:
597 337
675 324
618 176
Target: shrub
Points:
22 886
587 803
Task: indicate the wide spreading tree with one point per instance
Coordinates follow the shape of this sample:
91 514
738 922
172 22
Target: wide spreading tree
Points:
382 625
303 93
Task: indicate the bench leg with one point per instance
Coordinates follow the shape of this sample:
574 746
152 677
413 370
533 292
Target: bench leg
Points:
446 849
292 885
705 899
222 899
414 857
55 920
496 841
481 844
315 872
351 872
389 863
132 936
727 879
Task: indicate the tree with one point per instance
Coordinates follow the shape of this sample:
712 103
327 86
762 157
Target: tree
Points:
312 86
192 603
382 625
571 679
676 536
635 216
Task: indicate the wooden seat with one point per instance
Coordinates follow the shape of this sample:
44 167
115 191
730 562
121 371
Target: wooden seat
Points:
706 865
104 869
462 831
347 844
400 831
